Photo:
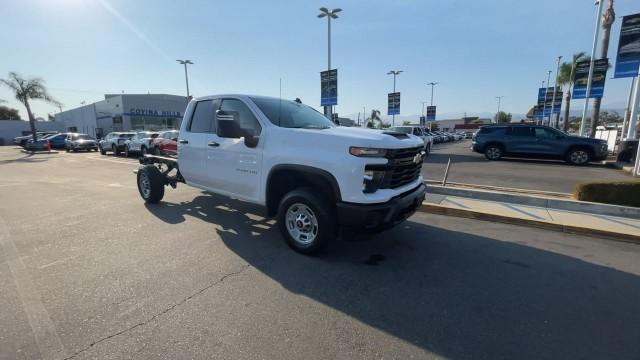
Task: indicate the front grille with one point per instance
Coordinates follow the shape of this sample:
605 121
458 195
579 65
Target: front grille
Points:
402 168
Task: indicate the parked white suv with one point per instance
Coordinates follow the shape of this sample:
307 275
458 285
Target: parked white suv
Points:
114 142
140 143
289 158
418 131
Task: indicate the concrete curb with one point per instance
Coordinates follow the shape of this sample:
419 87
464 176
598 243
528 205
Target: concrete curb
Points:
538 201
516 191
39 152
477 215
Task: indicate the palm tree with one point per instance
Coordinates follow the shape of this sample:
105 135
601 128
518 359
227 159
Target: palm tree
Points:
375 117
607 20
26 90
566 77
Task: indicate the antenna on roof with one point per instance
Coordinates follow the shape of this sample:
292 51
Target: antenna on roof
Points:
280 103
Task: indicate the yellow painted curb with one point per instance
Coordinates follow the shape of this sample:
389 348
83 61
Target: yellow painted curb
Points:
470 214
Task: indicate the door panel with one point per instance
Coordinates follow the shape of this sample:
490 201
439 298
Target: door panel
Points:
233 168
191 146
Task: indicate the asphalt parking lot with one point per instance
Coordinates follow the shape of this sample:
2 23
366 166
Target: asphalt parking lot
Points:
88 271
547 175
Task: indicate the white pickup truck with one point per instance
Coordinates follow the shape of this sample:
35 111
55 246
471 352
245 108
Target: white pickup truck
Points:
284 155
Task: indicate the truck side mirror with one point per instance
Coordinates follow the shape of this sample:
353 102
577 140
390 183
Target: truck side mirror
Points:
228 124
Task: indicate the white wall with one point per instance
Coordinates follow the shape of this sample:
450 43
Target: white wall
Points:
10 129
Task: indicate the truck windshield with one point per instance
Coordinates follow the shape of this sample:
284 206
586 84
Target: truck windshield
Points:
291 114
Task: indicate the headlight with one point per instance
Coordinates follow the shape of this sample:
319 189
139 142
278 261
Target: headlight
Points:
372 180
367 152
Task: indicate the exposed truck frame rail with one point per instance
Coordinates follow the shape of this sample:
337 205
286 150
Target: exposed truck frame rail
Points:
169 163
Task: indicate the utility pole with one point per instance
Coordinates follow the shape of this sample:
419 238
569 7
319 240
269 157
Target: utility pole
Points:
186 75
553 100
394 73
591 63
498 113
329 14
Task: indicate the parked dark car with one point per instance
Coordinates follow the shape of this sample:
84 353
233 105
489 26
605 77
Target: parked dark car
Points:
75 142
39 145
496 141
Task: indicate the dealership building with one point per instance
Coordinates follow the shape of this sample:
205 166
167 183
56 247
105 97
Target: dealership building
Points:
125 112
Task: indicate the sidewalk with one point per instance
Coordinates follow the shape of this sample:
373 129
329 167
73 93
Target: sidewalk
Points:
621 228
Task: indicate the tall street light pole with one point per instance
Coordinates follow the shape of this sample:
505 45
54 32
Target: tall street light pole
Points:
432 85
553 100
593 55
394 73
498 113
329 14
546 92
186 75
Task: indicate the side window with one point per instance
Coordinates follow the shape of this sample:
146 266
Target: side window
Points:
520 131
247 120
545 133
203 117
416 131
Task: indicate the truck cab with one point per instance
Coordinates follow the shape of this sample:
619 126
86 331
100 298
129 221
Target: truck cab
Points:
286 156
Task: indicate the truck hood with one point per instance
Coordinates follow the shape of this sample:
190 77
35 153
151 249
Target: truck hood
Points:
354 136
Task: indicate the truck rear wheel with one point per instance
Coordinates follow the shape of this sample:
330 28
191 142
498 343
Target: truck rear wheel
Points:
306 221
150 184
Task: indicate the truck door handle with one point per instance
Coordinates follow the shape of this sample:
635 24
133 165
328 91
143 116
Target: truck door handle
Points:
183 141
213 144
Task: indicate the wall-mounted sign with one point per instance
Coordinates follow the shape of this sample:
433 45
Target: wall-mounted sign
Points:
153 112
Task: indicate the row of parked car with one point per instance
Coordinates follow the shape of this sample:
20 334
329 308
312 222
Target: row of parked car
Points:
127 143
429 137
140 143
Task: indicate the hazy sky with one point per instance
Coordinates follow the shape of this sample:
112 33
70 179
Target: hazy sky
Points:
475 49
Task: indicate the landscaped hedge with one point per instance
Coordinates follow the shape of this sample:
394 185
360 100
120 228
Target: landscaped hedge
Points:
625 193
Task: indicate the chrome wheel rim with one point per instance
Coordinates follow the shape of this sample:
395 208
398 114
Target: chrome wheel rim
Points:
493 153
579 157
145 185
302 223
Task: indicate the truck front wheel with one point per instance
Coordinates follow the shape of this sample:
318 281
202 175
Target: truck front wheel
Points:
306 221
150 184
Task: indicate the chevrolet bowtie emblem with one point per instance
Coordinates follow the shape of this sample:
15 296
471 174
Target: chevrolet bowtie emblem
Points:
418 158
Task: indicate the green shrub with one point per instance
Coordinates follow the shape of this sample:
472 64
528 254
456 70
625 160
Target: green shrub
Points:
625 193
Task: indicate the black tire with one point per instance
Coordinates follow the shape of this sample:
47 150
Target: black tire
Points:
578 156
493 152
315 220
102 151
66 149
115 150
143 151
150 184
75 150
126 151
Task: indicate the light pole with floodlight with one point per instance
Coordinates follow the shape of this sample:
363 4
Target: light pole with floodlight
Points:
186 76
394 73
329 14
